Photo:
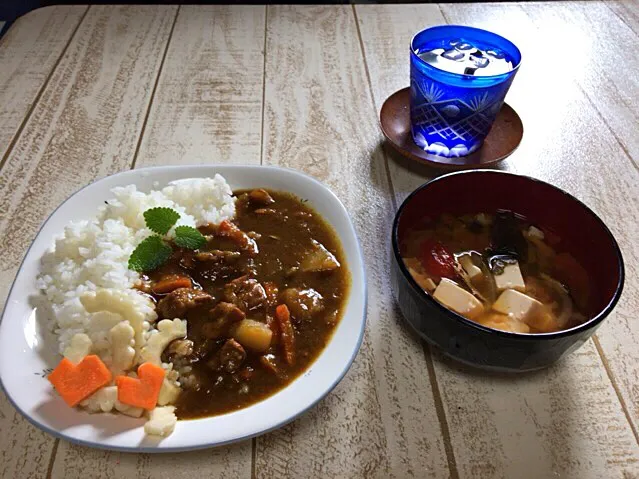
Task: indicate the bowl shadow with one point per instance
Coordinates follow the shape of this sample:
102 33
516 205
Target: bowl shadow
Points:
404 175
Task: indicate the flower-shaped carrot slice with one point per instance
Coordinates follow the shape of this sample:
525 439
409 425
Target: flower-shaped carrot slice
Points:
144 391
77 382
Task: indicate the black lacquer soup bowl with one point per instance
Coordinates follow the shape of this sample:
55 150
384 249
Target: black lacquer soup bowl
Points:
583 234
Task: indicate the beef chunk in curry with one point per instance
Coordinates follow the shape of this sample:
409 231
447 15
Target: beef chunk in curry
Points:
179 301
261 300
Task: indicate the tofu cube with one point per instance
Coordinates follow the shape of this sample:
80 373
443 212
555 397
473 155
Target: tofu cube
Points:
517 305
473 271
457 299
511 278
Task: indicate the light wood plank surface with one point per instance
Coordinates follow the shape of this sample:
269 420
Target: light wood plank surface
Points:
627 11
81 462
601 64
514 420
28 53
319 118
301 87
85 125
207 108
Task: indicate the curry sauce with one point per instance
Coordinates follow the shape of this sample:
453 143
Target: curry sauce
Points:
277 254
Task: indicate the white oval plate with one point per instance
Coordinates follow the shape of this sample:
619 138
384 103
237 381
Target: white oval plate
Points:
28 350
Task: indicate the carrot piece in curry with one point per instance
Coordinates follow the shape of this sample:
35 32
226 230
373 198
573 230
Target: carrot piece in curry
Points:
271 322
283 318
171 283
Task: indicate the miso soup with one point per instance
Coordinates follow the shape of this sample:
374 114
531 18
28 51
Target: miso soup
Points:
499 271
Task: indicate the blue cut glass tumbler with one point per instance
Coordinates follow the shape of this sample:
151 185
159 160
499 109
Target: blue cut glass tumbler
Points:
453 111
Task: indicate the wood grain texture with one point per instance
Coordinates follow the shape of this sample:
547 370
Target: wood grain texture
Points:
601 66
85 125
208 106
28 53
561 422
82 462
206 109
386 39
627 11
380 420
319 117
87 122
566 421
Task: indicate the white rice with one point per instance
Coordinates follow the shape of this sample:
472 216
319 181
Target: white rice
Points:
88 266
93 254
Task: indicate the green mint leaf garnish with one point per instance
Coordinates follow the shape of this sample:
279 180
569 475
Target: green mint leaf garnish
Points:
161 220
188 237
150 254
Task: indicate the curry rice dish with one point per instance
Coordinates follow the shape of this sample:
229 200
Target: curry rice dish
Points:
191 301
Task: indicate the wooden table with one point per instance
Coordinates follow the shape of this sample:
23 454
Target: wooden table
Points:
86 92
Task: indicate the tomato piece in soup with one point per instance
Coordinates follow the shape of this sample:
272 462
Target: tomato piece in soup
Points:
437 260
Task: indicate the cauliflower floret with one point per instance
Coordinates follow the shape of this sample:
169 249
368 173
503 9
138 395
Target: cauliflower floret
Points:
171 374
79 347
122 352
100 324
134 307
128 410
161 421
168 393
167 331
106 399
103 400
170 387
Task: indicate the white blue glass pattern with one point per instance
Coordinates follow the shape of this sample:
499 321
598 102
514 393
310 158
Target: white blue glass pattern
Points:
452 113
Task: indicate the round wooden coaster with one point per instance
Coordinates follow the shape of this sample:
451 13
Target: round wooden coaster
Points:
503 139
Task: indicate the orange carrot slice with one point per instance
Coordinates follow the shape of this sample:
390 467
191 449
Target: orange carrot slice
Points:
171 283
144 391
283 318
272 323
75 383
